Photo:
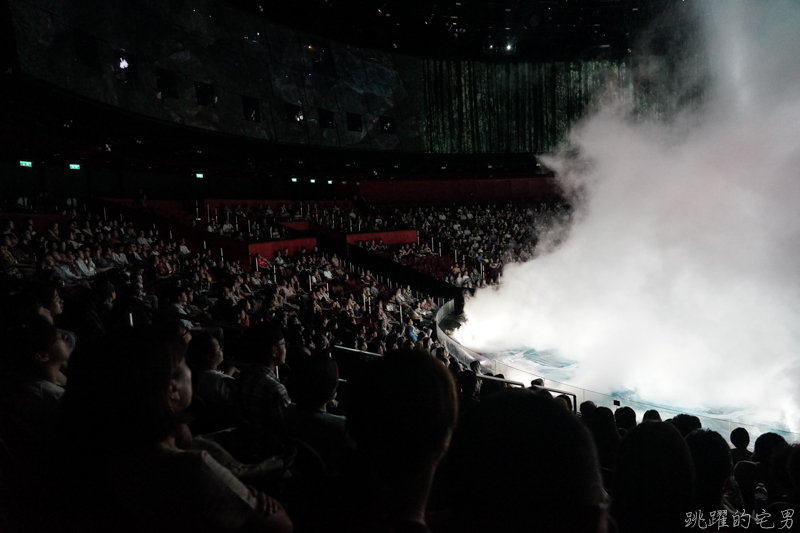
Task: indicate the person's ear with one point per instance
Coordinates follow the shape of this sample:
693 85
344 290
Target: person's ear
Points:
42 357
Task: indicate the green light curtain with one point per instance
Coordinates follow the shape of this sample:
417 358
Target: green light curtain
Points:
476 107
473 107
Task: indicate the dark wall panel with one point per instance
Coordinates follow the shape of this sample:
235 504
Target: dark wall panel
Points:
438 105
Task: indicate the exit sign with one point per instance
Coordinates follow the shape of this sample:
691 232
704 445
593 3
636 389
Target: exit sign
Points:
198 175
25 164
74 167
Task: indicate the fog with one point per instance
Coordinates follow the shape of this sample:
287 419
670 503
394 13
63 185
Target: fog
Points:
679 277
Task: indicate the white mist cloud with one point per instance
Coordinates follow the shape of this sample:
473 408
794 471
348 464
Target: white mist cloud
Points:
680 279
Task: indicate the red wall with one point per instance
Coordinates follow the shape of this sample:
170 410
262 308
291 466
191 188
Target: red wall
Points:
432 191
40 222
268 249
275 204
389 237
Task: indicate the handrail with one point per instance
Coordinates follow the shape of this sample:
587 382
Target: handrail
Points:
465 355
501 380
356 351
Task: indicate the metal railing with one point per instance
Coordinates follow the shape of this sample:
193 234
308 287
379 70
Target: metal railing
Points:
466 355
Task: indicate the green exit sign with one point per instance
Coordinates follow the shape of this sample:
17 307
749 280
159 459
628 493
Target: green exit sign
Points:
74 167
198 175
25 164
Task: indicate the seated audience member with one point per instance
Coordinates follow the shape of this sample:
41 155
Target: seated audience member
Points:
762 467
490 386
262 397
712 468
685 423
34 355
141 479
603 429
410 331
313 386
587 408
537 386
654 480
468 389
740 439
215 387
402 410
565 401
787 507
544 474
626 419
651 416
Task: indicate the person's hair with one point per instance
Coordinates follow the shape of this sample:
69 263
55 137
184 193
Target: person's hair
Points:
23 342
43 292
603 428
489 387
566 400
466 380
712 466
401 410
625 417
544 474
651 415
200 348
654 479
740 438
103 291
765 445
685 423
314 381
793 466
124 400
587 408
259 339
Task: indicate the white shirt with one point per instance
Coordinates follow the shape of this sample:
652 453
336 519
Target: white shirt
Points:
87 268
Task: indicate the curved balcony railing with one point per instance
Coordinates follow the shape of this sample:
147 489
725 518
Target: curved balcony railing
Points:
510 372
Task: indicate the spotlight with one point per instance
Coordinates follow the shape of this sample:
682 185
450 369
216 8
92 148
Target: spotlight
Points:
510 49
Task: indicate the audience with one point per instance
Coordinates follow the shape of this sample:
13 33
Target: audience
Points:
142 385
654 480
543 474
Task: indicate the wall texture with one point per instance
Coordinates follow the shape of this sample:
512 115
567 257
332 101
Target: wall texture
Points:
77 45
432 105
